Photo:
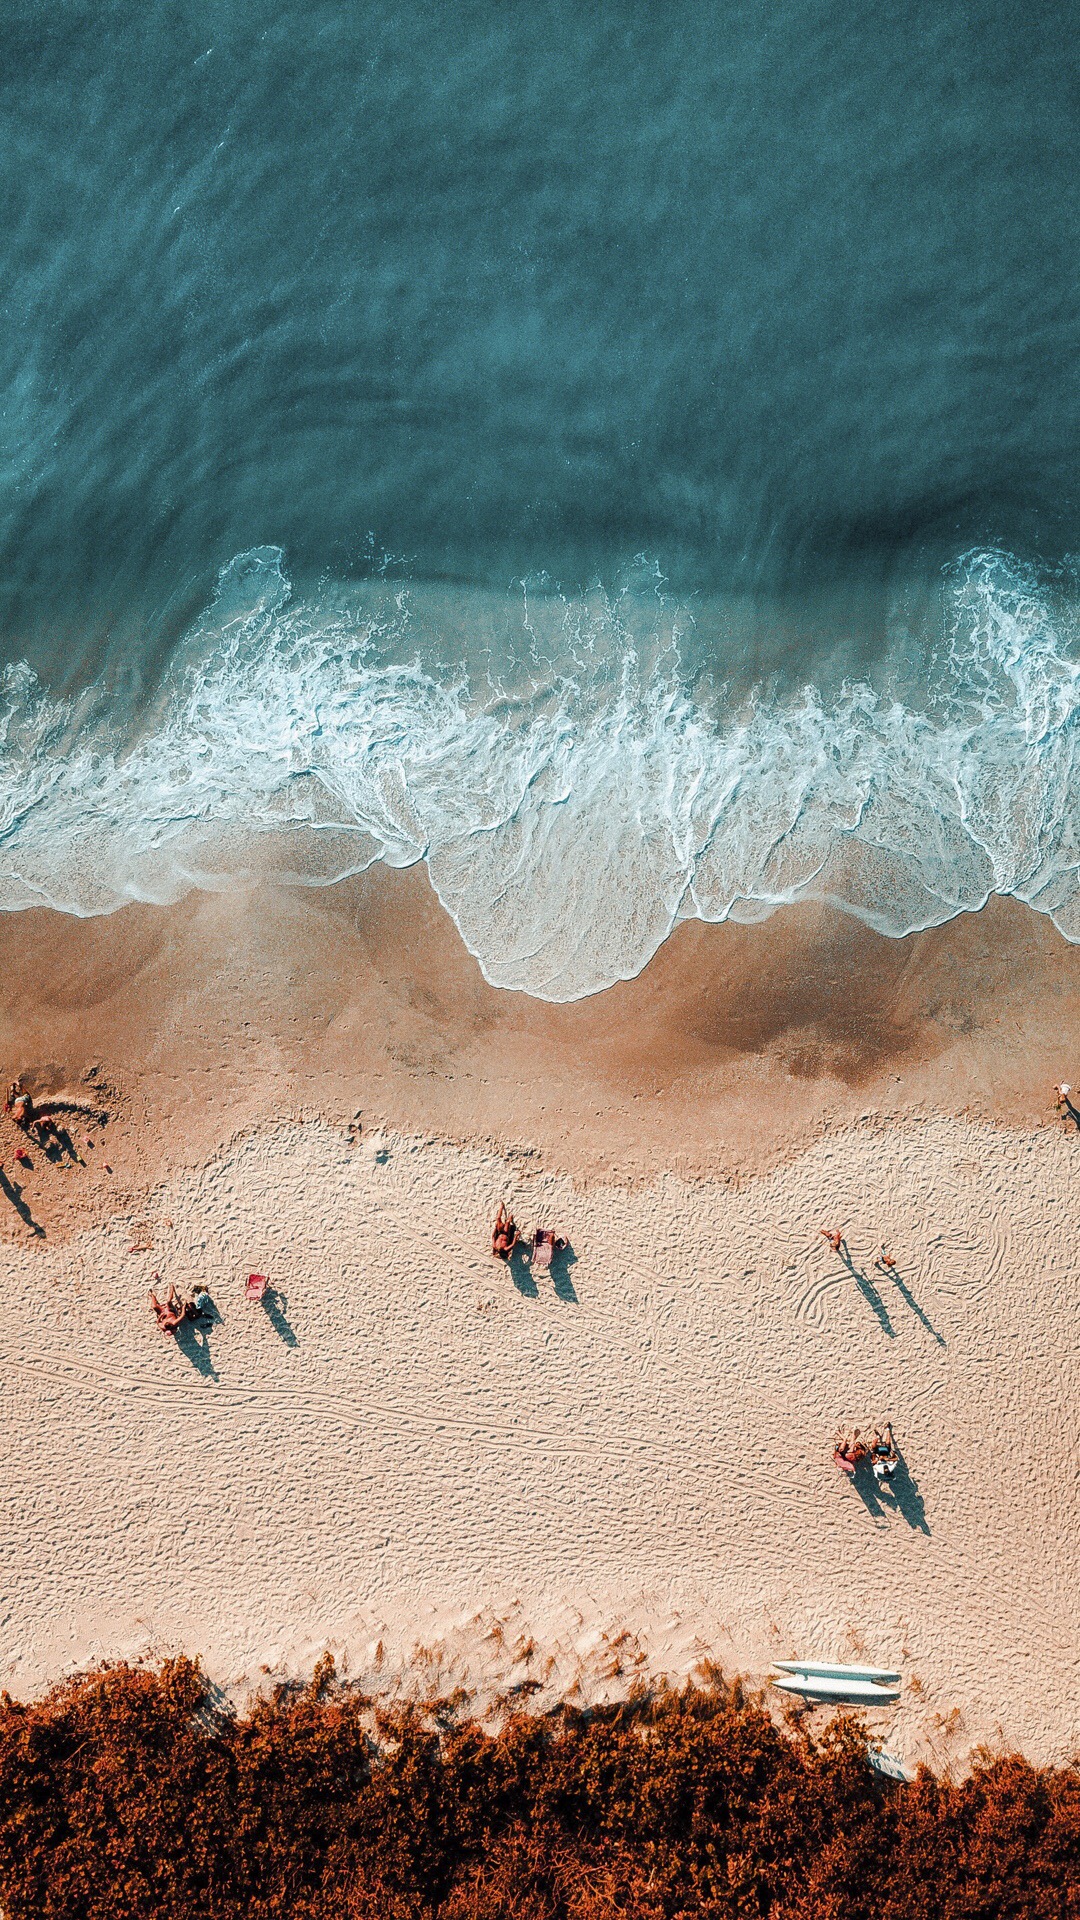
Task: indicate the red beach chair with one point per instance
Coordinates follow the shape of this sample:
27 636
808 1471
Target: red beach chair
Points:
256 1286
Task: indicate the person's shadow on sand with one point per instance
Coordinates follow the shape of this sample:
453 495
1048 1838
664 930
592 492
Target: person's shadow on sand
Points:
274 1305
867 1489
898 1494
191 1338
67 1145
521 1273
562 1260
869 1293
14 1193
906 1294
524 1274
904 1491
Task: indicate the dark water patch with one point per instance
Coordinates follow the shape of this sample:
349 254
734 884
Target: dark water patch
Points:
524 289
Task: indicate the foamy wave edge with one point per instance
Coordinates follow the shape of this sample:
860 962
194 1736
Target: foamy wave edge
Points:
566 830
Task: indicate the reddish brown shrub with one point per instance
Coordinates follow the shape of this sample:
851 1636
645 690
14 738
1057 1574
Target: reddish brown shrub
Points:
124 1795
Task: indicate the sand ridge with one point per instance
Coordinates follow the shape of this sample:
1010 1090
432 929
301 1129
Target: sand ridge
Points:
562 1483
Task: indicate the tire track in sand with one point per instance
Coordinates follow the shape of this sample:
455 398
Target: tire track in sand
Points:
189 1396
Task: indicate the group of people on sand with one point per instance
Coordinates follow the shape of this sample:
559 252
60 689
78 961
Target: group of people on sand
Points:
506 1238
835 1238
880 1452
851 1451
172 1311
38 1121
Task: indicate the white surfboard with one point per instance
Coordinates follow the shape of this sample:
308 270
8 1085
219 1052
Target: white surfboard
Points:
816 1686
890 1764
887 1675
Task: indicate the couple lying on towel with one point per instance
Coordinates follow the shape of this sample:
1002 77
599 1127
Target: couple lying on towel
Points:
172 1311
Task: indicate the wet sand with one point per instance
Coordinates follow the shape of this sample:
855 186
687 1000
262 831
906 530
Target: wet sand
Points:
734 1048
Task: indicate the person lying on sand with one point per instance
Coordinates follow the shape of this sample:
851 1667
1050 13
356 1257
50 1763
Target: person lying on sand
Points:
883 1455
850 1448
504 1234
170 1311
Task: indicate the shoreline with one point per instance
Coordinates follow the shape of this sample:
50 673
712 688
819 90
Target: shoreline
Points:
734 1048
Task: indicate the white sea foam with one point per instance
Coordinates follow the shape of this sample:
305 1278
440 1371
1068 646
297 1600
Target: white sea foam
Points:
567 823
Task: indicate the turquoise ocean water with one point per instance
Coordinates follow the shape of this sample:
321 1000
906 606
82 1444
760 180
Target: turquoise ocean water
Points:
620 456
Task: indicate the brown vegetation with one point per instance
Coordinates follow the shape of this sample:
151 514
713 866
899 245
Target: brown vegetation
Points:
128 1793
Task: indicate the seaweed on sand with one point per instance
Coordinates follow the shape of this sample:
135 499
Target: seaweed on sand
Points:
130 1793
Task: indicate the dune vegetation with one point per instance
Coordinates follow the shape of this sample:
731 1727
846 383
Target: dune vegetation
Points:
134 1792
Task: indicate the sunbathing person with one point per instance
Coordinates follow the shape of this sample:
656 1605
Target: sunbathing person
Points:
504 1234
850 1450
170 1311
48 1136
884 1458
20 1106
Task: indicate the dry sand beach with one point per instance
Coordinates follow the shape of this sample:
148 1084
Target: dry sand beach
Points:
455 1473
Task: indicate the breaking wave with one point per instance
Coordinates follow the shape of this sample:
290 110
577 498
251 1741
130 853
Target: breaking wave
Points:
569 812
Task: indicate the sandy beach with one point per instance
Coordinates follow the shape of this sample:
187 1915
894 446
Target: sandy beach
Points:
457 1474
